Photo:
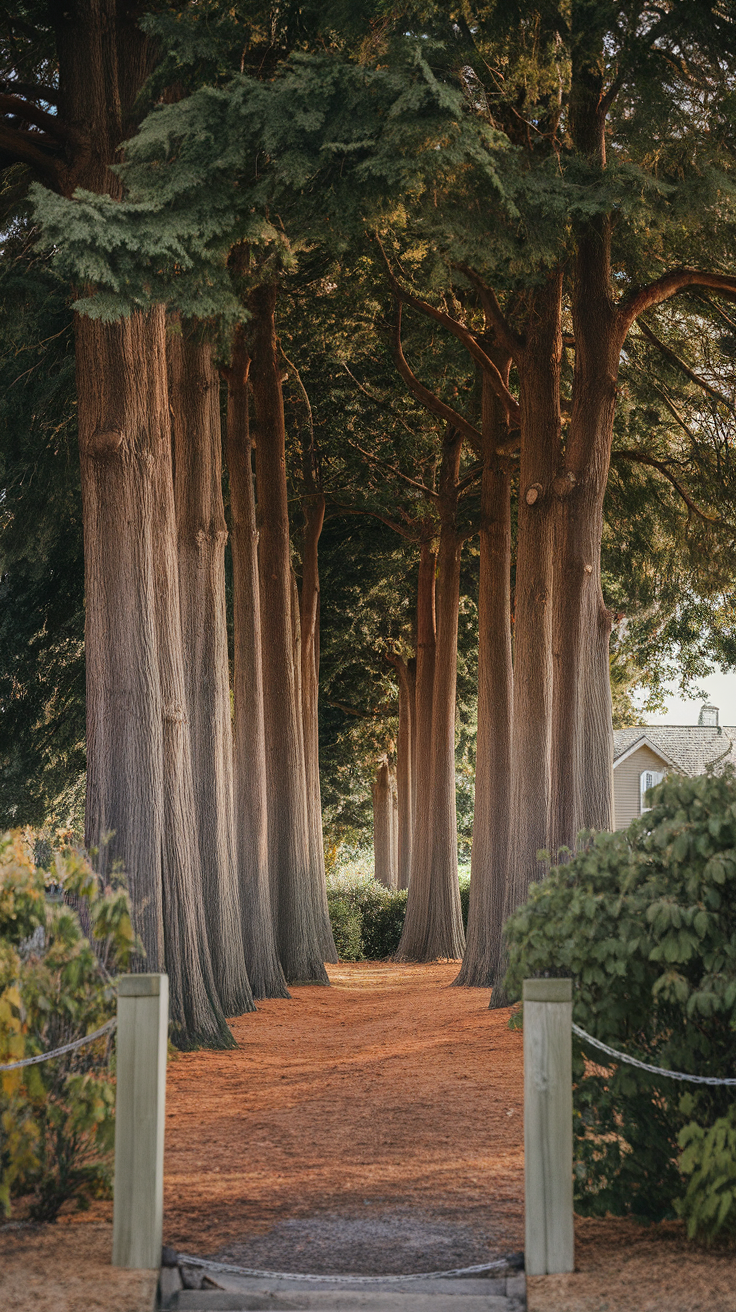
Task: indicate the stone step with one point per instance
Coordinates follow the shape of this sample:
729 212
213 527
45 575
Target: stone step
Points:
344 1300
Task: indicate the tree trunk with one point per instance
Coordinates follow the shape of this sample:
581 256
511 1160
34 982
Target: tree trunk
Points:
383 865
194 390
489 859
394 828
297 930
539 375
433 926
583 735
139 763
314 514
259 945
423 694
404 771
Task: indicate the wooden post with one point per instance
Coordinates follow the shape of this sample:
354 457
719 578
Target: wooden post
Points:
142 1034
548 1126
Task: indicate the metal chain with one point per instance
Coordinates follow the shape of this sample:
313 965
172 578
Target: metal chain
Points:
59 1052
643 1065
184 1259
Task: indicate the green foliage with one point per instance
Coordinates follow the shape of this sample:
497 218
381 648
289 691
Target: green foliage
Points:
644 921
56 1118
709 1159
367 918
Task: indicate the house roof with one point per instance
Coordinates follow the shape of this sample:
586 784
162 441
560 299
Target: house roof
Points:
691 748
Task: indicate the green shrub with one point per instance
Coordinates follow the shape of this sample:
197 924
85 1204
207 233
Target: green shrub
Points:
709 1158
644 921
345 919
465 899
56 1118
383 912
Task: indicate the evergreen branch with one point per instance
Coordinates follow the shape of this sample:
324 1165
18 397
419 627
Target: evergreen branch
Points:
428 399
385 405
464 335
507 337
684 368
638 457
374 514
30 113
427 491
662 289
676 415
471 477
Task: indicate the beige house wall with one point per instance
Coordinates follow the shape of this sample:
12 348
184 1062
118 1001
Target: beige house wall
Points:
626 785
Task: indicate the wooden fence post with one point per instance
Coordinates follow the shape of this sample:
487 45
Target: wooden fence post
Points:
140 1104
548 1126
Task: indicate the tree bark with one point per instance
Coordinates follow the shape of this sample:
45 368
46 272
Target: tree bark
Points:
251 824
314 514
404 771
297 929
491 833
539 374
139 763
383 864
194 390
433 925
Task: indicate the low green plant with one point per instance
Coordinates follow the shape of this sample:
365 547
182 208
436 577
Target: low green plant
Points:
346 922
56 1117
709 1159
644 921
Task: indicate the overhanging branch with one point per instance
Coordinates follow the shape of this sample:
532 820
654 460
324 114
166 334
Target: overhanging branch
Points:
639 458
428 399
677 280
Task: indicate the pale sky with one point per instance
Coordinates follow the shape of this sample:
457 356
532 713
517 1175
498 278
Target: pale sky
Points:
721 689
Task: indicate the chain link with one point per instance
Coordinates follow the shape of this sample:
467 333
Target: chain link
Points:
184 1259
643 1065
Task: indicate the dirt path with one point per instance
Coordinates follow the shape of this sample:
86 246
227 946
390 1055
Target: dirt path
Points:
372 1126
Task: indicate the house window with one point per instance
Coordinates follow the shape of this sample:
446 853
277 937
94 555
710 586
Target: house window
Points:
647 780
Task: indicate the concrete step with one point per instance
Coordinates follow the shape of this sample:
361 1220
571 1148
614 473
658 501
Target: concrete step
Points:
343 1300
245 1294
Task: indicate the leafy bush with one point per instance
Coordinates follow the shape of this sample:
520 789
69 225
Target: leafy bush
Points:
644 921
56 1118
346 922
709 1158
367 918
383 912
464 897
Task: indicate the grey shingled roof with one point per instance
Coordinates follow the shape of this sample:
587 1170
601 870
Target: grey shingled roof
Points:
692 747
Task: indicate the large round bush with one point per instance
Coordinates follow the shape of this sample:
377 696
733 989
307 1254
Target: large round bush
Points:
644 921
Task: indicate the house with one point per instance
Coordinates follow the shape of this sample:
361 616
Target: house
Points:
644 754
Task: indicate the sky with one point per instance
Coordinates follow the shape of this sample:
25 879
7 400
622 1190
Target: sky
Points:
721 689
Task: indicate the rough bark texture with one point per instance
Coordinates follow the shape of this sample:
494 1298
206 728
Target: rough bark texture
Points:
433 925
404 771
383 852
489 859
194 404
140 777
423 693
314 514
539 373
259 945
296 927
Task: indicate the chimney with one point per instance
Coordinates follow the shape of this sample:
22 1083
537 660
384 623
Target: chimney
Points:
708 717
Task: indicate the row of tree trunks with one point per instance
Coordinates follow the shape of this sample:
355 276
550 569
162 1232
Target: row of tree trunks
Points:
491 819
298 915
259 944
433 924
194 389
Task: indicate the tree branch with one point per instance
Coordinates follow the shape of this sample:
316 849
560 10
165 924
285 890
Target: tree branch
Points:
427 491
381 714
685 369
27 112
464 335
31 91
644 298
428 399
639 458
384 405
20 148
507 337
374 514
